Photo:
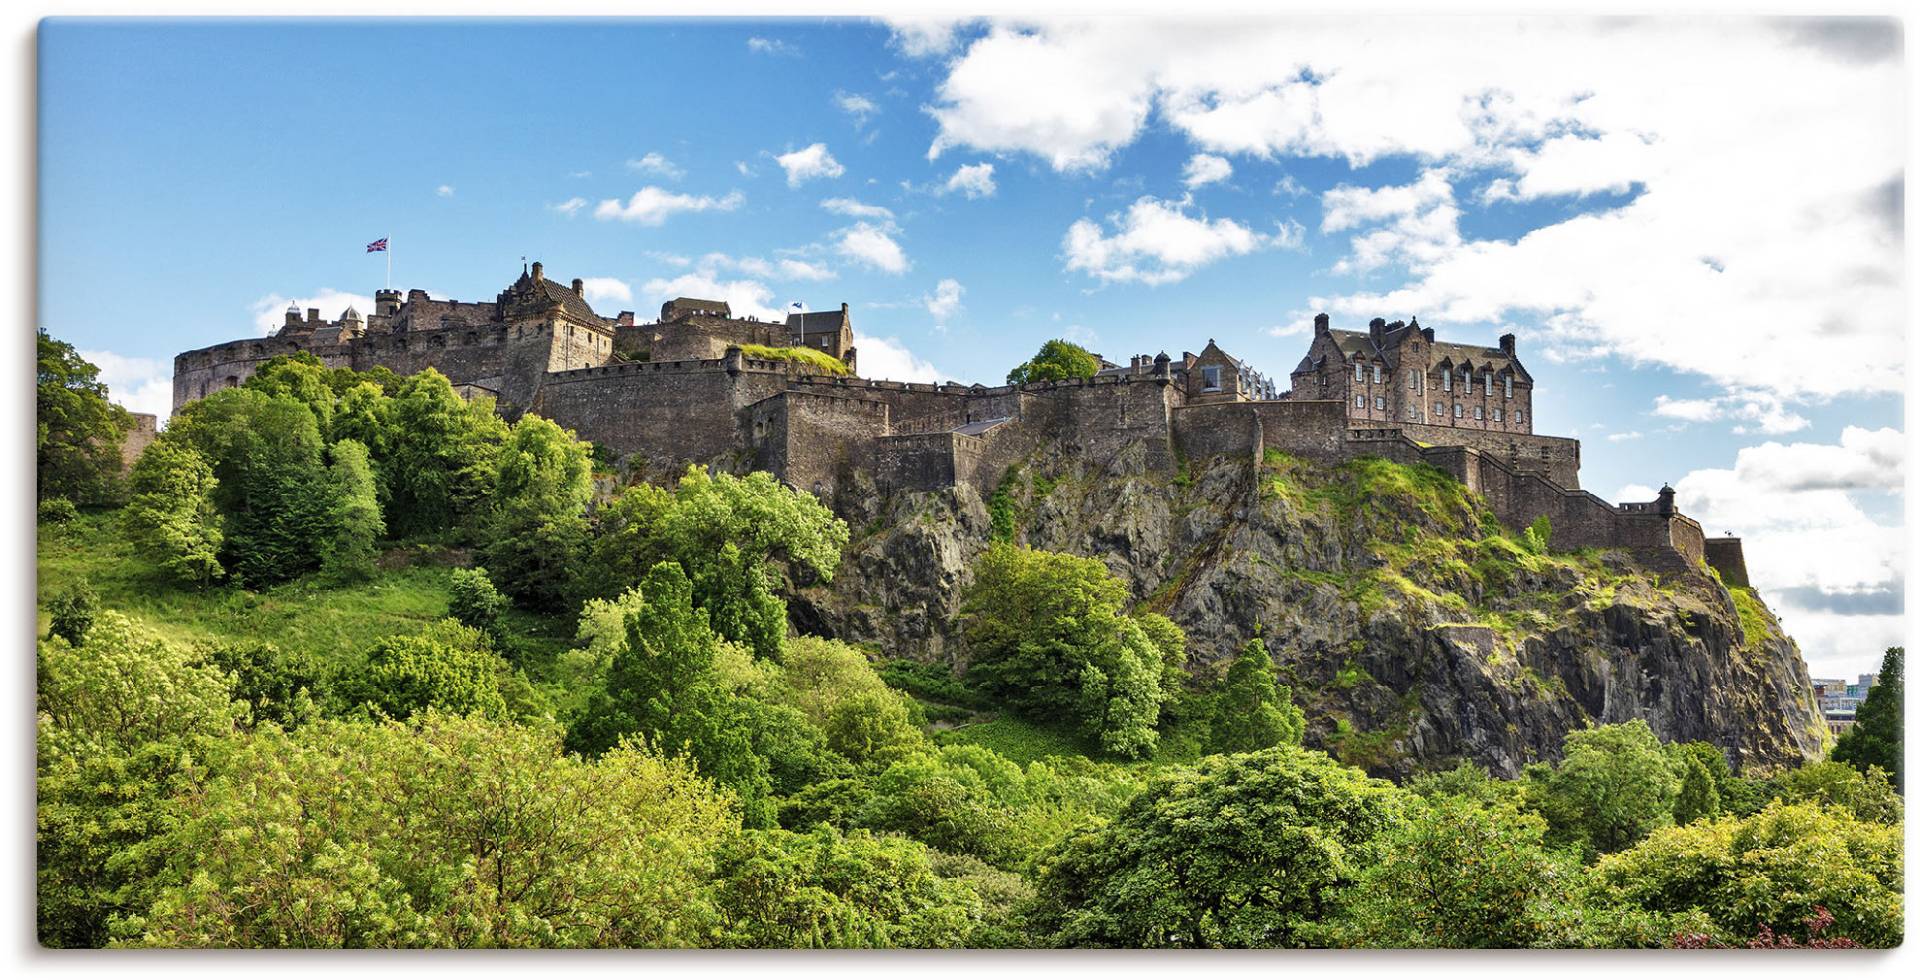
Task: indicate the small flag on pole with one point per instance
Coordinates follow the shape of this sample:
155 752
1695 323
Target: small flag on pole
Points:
379 246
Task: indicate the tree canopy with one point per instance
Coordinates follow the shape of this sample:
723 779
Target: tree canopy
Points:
1056 360
78 432
1878 735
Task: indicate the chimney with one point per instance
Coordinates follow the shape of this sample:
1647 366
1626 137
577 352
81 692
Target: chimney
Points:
625 318
579 287
537 274
1506 344
1321 325
843 309
313 314
1375 328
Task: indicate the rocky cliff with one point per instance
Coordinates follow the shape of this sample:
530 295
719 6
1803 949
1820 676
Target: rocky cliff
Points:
1413 628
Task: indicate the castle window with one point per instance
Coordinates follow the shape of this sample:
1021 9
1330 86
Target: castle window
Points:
1498 415
1359 401
1479 414
1380 402
1466 381
1439 409
1509 380
1413 381
1446 381
1487 381
1211 375
1376 374
1359 372
1519 416
1458 410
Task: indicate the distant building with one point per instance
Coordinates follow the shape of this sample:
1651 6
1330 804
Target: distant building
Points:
1840 700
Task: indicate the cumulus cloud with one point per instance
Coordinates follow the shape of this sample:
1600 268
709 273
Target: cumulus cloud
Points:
1412 225
1157 242
654 163
597 288
745 297
888 359
924 37
570 207
975 180
944 304
444 190
1755 166
137 384
1751 411
653 205
811 163
854 209
270 311
715 263
1205 168
874 247
1830 568
856 105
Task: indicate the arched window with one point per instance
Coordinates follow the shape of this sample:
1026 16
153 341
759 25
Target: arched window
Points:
1380 403
1479 413
1359 401
1466 380
1458 410
1509 380
1446 381
1376 374
1359 371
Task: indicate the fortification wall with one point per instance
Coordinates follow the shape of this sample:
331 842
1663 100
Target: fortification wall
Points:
1556 456
823 435
670 413
199 373
146 428
1727 556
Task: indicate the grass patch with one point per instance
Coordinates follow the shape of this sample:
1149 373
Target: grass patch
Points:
1756 626
930 682
820 360
1019 740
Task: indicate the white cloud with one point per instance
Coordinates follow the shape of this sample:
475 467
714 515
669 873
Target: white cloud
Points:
444 190
653 206
811 163
745 297
597 288
137 384
1753 410
854 209
1205 168
1767 165
270 311
715 263
741 166
1157 242
766 45
944 304
1622 436
856 105
1834 573
873 246
654 163
924 37
888 359
975 180
1299 327
571 206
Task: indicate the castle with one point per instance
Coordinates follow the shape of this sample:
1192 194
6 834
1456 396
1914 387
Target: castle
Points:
700 385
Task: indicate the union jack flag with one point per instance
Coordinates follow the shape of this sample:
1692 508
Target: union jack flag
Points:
379 246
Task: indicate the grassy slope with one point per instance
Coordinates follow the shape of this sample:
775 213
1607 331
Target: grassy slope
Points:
333 622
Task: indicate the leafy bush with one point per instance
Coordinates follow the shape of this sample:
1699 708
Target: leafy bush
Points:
1252 710
1612 787
71 613
282 687
825 889
1056 360
57 510
78 431
473 601
535 534
172 519
446 666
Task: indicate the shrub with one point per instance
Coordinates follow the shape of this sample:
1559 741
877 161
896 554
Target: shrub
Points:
446 666
474 602
55 511
71 613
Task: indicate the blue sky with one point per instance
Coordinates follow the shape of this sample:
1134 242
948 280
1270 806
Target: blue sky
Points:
1683 221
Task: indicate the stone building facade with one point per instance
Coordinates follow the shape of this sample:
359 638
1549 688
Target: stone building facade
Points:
692 388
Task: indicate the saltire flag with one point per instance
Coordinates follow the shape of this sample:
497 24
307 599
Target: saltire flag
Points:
379 246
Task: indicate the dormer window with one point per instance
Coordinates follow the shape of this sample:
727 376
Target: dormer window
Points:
1446 381
1359 372
1509 381
1466 381
1487 380
1210 375
1376 374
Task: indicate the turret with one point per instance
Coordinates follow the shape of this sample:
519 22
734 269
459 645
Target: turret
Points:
537 274
293 314
1666 500
386 302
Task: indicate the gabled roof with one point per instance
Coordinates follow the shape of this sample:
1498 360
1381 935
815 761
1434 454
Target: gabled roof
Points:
575 304
825 321
715 306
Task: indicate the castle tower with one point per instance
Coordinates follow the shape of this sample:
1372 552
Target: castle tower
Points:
386 302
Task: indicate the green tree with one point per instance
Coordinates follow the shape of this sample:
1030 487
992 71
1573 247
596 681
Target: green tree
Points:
1239 850
172 519
1697 799
70 614
446 666
662 684
301 377
440 455
872 725
123 726
1868 796
1877 737
1252 710
1612 787
78 431
536 527
1458 875
446 831
282 687
740 540
1771 870
825 889
1049 637
356 521
474 602
1056 360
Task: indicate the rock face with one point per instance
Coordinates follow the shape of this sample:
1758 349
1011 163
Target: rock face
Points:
1413 629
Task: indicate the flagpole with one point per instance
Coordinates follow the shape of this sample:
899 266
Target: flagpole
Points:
389 251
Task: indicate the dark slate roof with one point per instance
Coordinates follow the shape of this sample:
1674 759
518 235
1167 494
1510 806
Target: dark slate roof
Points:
825 321
701 305
1480 358
575 304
